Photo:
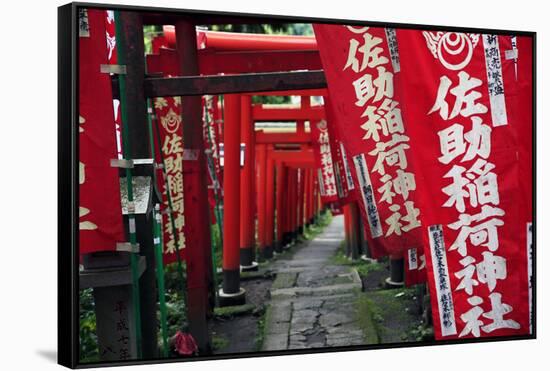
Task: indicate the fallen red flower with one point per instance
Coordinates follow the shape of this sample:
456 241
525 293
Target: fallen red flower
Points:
185 344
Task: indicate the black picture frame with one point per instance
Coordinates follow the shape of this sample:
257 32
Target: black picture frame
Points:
68 261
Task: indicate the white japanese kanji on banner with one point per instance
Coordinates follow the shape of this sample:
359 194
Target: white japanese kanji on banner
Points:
362 66
323 158
467 170
100 212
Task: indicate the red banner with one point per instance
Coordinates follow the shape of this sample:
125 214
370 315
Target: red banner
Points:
342 168
100 217
517 64
323 158
212 146
465 153
361 66
170 180
168 114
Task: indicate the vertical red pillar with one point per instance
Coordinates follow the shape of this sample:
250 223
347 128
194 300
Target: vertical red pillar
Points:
347 229
280 199
305 217
269 206
247 190
297 198
199 266
287 222
301 200
310 196
261 195
291 204
315 196
295 205
231 292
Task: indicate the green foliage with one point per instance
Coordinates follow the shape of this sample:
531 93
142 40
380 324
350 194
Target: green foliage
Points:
422 332
270 99
149 32
175 312
369 321
324 220
262 328
215 232
303 29
234 310
172 278
363 267
89 351
219 342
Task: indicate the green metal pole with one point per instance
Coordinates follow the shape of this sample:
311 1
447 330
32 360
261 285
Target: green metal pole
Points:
157 222
219 216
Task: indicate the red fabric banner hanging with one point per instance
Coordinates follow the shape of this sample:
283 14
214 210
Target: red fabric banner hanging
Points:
212 145
112 59
361 66
465 152
323 158
342 168
100 217
168 112
517 72
168 115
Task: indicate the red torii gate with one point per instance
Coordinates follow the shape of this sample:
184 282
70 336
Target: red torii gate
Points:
230 53
226 53
242 256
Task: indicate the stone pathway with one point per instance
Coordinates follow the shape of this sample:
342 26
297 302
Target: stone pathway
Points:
312 300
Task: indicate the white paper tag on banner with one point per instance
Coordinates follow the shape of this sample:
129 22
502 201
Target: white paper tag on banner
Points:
511 54
413 259
495 80
442 282
365 187
392 47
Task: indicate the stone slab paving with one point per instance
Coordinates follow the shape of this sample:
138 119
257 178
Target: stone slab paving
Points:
313 301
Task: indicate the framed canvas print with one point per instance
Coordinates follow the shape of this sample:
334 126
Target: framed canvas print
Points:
239 185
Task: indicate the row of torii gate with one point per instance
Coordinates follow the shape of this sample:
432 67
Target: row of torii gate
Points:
278 175
278 178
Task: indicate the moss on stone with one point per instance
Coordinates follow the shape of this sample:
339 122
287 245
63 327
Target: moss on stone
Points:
234 310
365 317
284 280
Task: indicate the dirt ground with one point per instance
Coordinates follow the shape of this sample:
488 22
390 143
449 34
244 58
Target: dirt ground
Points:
240 333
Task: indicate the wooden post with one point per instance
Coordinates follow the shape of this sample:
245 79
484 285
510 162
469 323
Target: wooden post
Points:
269 206
354 230
397 272
247 189
131 54
231 293
199 260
